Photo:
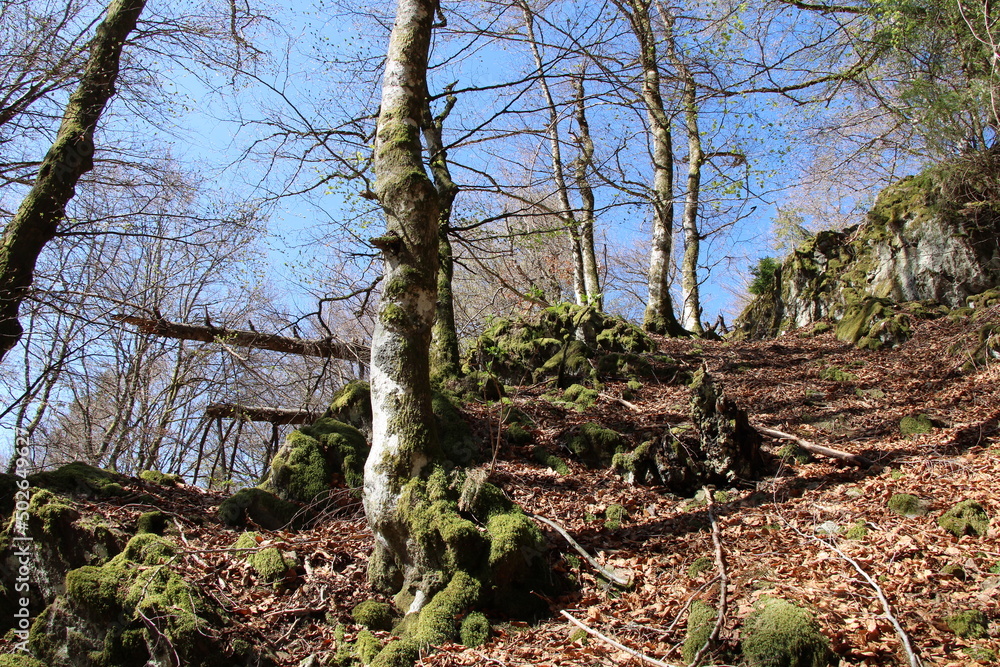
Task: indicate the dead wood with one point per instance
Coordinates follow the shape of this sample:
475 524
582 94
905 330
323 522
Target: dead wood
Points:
813 448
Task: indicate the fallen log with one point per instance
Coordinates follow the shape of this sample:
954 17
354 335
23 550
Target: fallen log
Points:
320 347
256 413
813 448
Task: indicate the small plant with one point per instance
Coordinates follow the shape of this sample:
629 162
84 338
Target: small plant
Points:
763 276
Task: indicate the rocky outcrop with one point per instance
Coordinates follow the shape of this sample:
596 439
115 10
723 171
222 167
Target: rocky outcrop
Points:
930 242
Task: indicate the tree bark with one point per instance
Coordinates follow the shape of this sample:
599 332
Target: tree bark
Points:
445 361
690 292
70 156
403 430
584 164
321 347
558 170
659 316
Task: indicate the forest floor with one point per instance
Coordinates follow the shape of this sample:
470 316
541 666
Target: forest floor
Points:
781 536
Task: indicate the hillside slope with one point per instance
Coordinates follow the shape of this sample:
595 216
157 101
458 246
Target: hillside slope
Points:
800 534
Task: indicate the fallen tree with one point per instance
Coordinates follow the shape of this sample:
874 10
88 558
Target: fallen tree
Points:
318 347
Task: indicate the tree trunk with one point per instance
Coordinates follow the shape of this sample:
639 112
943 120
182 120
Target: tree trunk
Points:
691 307
445 361
555 151
584 163
691 313
403 430
71 155
659 316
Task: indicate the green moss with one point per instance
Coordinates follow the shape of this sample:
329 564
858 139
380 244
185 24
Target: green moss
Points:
857 531
119 601
614 516
265 509
834 374
701 622
20 660
458 444
518 435
367 647
970 624
780 634
80 478
269 564
908 505
596 445
475 630
550 460
397 653
792 451
954 570
580 395
966 518
700 564
484 500
911 425
980 654
314 456
352 404
157 477
152 522
373 615
437 623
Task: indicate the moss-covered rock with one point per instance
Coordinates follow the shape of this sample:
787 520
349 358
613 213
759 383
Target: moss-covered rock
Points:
857 531
352 405
966 518
152 522
928 243
133 610
262 507
316 458
701 621
397 653
59 538
908 505
565 343
911 425
268 562
580 396
614 516
163 479
367 646
595 445
550 460
374 615
700 564
970 624
80 479
475 630
780 634
516 434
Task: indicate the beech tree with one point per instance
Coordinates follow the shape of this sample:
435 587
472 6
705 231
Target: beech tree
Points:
71 155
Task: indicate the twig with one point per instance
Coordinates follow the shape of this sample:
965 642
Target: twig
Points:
720 563
631 406
611 576
617 645
900 632
812 448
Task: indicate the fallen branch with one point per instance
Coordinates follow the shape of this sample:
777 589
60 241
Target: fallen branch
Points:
631 406
886 608
321 347
611 576
617 645
720 563
812 448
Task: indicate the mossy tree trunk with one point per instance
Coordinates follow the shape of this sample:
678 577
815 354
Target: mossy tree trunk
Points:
70 156
445 361
659 316
403 430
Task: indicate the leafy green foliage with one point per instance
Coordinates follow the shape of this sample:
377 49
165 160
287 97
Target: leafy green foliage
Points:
763 276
